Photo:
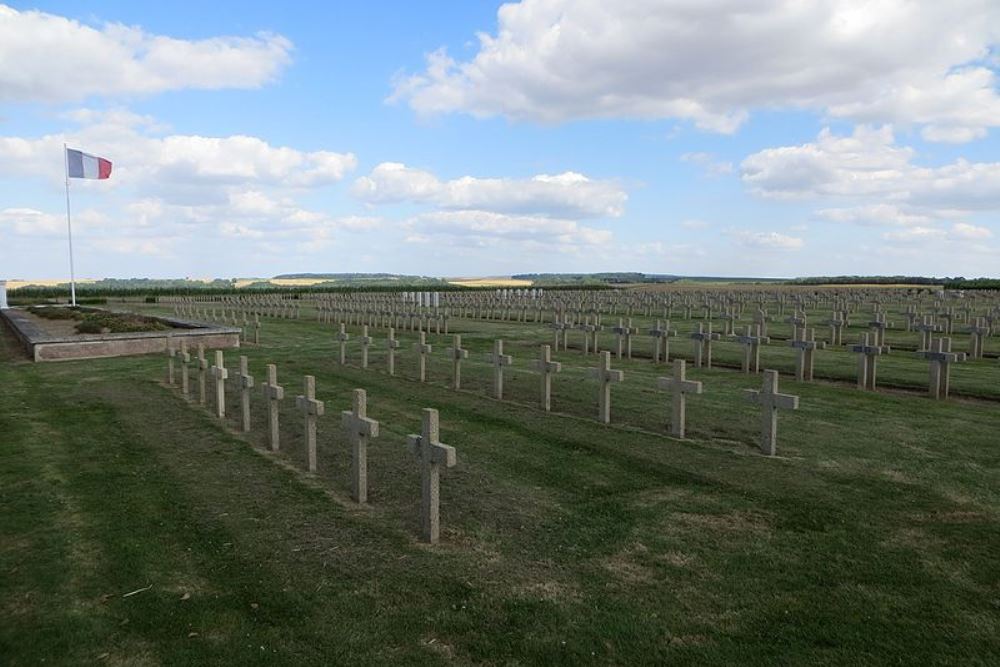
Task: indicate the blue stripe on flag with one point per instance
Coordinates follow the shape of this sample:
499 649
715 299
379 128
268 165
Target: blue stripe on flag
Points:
74 163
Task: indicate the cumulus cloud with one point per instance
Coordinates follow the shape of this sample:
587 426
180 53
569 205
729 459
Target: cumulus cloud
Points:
714 61
878 183
50 58
868 164
145 159
480 226
767 240
568 194
711 165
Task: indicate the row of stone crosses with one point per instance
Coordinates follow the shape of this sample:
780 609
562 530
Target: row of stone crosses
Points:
768 397
430 452
359 428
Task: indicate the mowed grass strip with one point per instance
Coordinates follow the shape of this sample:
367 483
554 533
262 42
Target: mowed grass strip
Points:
564 542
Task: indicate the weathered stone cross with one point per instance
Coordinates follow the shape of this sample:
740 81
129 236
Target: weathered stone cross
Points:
978 331
941 358
606 377
927 328
770 401
878 327
185 360
366 340
703 345
433 454
867 362
498 360
246 384
310 409
391 345
679 386
546 368
273 393
202 370
836 324
798 321
624 332
805 348
360 428
171 355
342 338
422 349
456 353
661 342
751 342
220 374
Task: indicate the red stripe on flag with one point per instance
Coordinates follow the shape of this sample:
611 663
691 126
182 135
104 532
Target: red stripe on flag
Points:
103 168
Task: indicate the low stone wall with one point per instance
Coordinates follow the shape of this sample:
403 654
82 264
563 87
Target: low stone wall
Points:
41 346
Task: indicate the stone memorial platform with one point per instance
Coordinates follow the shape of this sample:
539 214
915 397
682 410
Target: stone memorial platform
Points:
55 340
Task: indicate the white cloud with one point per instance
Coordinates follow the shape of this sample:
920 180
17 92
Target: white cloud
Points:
482 227
879 185
714 61
711 165
50 58
873 215
568 194
869 165
695 224
963 230
141 158
767 240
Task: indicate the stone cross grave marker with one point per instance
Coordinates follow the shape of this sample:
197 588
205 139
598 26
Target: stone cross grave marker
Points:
171 355
623 333
422 349
246 384
927 328
310 409
679 387
185 361
366 340
798 321
391 345
703 345
546 368
456 353
751 341
805 349
978 331
661 342
273 393
498 360
770 401
760 319
432 454
360 429
342 338
941 358
878 326
868 355
836 324
220 374
202 371
606 377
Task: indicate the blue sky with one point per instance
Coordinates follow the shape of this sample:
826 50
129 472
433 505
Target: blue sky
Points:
462 138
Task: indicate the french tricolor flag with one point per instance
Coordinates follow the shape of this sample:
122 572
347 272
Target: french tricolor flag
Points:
82 165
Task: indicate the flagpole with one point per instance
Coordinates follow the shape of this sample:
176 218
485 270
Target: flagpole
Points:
69 232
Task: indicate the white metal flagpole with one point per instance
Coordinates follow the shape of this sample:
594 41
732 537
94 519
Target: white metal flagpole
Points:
69 231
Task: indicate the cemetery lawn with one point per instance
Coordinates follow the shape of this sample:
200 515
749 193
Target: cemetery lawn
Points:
137 530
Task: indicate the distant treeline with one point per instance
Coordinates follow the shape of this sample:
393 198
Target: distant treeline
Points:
90 293
363 278
627 278
948 283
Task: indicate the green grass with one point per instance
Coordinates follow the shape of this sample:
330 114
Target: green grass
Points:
873 538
